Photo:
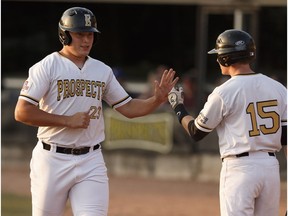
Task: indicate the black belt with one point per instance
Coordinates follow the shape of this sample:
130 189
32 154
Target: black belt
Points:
73 151
247 154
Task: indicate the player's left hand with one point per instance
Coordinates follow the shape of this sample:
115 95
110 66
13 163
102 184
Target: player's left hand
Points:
167 82
176 96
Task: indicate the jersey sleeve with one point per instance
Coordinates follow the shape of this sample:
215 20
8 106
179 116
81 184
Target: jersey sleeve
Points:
284 115
211 114
115 95
36 85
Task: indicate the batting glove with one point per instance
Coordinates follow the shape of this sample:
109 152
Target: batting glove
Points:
176 100
176 96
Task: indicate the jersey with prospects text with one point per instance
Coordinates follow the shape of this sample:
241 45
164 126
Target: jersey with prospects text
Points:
247 112
58 86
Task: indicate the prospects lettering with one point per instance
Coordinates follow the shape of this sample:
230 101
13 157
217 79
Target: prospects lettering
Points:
80 88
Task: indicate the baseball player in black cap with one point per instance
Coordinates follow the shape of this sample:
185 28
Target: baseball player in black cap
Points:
63 96
249 112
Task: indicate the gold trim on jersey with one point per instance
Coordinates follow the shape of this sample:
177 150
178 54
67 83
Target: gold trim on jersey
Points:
118 102
30 98
202 127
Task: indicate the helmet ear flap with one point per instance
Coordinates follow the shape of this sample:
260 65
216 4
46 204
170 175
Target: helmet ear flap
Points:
64 37
231 58
224 60
68 38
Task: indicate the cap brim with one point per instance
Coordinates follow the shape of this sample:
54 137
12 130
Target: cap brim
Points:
213 51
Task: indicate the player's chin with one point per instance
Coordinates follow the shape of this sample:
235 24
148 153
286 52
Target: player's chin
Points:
85 50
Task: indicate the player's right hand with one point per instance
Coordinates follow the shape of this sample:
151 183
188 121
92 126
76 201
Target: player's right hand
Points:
176 96
79 120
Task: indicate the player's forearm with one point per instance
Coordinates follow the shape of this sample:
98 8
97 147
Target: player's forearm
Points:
185 122
31 115
139 107
41 118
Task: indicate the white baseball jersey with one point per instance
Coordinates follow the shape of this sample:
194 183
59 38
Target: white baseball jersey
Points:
58 86
247 112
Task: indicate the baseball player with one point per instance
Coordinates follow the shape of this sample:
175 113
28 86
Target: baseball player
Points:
63 97
249 112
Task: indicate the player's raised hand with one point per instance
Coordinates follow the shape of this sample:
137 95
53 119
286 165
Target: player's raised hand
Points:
167 82
79 120
176 96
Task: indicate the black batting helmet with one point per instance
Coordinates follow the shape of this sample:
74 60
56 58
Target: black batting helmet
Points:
233 46
76 19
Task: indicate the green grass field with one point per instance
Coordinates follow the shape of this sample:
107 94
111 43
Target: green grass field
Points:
13 205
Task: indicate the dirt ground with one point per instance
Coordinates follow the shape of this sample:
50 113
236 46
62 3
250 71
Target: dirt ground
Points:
140 197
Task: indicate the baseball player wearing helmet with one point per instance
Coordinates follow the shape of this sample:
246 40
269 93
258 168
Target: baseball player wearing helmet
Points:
249 112
63 97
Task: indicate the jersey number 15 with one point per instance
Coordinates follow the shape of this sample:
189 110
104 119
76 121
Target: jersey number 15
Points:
259 110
